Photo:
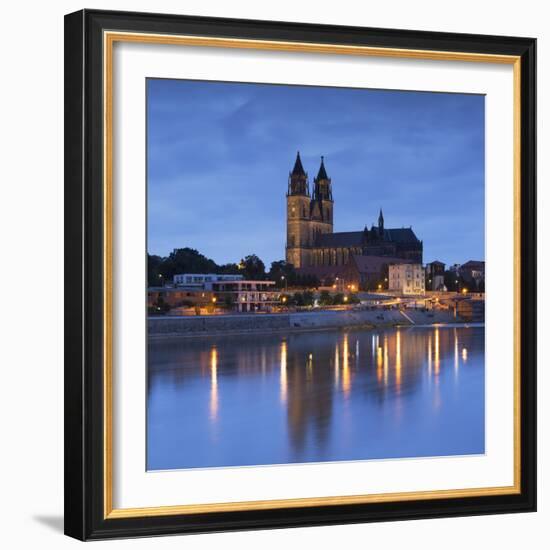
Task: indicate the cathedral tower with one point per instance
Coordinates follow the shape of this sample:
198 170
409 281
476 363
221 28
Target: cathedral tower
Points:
298 232
321 202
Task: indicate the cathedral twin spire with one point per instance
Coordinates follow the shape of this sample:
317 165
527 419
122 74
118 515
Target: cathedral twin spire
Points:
298 169
298 184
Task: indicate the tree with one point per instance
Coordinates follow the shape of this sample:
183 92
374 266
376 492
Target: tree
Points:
453 281
299 299
228 269
308 297
253 267
161 306
282 273
186 260
325 299
153 270
338 299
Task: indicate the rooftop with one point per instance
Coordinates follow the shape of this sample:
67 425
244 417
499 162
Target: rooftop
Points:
375 264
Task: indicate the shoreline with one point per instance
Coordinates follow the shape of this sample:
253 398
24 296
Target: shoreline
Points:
154 337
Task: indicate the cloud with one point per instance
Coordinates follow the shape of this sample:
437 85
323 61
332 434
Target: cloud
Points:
219 156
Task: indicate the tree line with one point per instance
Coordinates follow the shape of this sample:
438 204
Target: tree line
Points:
188 260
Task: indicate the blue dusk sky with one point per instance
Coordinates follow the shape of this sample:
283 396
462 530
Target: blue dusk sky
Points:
219 155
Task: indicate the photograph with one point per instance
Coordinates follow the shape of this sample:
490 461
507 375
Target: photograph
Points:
315 274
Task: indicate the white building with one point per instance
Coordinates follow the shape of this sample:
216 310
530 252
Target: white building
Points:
233 291
203 280
406 278
247 295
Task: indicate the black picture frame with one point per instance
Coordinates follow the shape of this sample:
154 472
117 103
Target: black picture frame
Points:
84 282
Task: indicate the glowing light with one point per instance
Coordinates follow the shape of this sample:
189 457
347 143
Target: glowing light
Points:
214 405
214 299
379 363
464 354
283 378
345 298
336 366
436 353
429 356
386 362
346 376
456 352
398 359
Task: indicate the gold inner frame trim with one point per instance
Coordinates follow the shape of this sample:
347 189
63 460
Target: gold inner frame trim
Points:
109 39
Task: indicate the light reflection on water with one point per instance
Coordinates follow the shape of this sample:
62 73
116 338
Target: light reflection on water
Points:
315 396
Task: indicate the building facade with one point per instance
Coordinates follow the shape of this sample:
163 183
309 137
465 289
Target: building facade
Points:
311 240
221 291
435 275
369 272
201 280
472 271
407 278
247 296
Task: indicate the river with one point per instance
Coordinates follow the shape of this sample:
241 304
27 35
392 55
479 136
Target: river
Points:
315 397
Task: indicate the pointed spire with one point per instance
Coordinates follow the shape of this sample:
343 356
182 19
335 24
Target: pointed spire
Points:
380 222
298 169
322 175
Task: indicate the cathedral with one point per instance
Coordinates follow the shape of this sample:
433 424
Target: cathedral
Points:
311 240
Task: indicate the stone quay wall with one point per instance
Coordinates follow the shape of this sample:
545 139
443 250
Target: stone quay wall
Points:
311 320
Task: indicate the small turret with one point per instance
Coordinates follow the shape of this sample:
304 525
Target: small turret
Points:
381 223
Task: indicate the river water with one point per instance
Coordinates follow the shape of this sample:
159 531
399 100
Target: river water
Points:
315 397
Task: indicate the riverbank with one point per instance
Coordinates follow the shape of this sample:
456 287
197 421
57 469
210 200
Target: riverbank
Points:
160 327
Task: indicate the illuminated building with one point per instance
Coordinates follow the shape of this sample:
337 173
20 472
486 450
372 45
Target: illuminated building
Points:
311 240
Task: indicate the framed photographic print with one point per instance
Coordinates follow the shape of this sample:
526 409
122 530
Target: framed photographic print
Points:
300 274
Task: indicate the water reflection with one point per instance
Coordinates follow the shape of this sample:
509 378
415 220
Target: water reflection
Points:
214 384
317 396
284 381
